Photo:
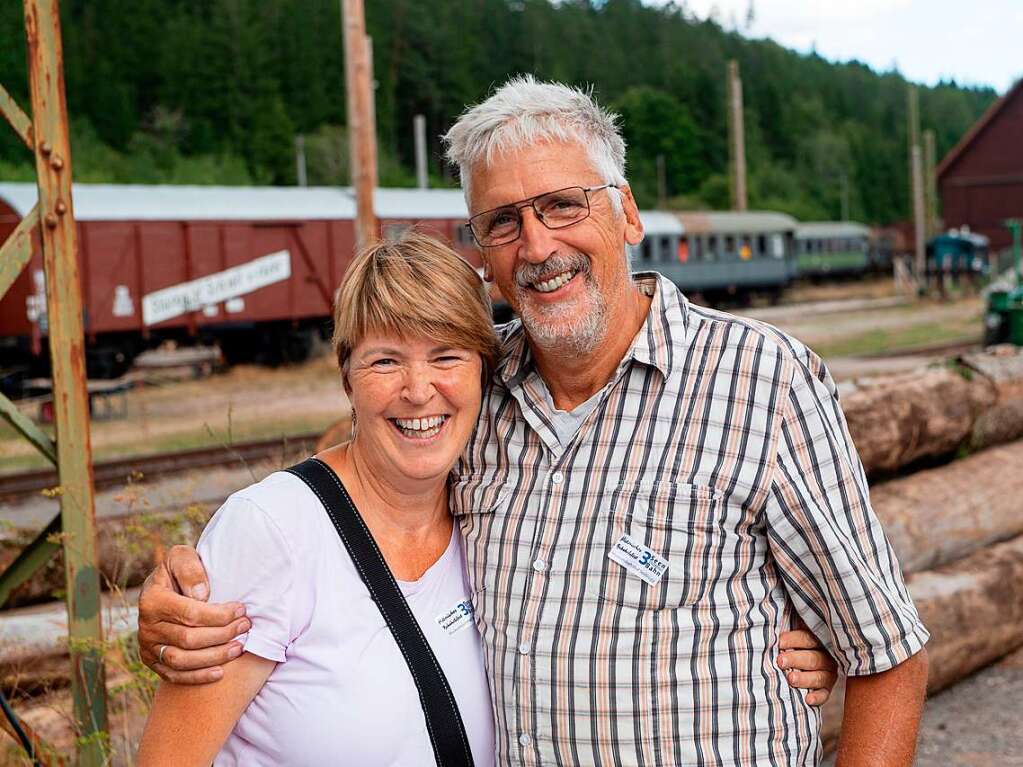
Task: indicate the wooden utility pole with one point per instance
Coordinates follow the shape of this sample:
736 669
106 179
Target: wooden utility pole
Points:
301 175
845 196
419 133
930 183
737 136
916 186
662 183
361 127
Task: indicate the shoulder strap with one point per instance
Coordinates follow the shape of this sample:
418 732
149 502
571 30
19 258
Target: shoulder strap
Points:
443 721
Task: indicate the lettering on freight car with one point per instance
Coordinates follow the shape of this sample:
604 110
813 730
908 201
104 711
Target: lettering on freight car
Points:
167 303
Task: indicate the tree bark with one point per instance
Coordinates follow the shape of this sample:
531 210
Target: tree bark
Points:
940 515
974 612
898 420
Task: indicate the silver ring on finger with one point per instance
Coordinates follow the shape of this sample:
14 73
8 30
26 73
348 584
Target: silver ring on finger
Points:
159 654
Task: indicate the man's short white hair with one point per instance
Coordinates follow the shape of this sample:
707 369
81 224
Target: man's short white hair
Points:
524 112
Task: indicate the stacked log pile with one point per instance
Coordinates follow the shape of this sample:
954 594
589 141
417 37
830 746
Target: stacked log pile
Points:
972 403
957 529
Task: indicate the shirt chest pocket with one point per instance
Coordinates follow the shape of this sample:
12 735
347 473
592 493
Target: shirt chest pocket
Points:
663 546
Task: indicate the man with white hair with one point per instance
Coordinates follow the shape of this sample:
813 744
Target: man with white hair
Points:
655 491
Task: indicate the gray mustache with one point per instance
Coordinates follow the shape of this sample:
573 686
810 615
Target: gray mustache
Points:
527 274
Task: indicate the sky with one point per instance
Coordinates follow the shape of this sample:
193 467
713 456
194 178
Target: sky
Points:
977 42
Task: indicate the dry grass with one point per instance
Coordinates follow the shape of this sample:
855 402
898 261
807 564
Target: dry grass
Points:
246 402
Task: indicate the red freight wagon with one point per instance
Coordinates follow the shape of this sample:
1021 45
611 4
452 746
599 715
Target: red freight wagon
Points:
252 268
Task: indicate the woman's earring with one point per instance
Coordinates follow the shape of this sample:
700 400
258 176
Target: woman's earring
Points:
488 274
353 423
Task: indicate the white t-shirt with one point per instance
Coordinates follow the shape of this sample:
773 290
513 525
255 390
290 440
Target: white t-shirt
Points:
341 693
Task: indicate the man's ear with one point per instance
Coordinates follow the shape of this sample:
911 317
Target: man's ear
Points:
633 226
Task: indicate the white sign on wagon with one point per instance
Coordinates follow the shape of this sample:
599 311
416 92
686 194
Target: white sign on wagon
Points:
193 295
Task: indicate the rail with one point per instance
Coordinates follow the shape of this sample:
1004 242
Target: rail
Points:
109 473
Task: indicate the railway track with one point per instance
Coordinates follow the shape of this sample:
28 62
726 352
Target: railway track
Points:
107 473
945 349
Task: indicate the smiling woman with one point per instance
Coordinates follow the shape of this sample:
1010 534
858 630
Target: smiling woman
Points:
414 340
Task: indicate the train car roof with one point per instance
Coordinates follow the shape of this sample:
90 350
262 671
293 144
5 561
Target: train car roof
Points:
138 202
831 229
659 222
733 222
955 235
418 203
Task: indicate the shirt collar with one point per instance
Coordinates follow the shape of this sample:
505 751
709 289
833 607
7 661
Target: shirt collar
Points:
653 344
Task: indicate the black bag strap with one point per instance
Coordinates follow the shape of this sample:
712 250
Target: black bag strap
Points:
443 721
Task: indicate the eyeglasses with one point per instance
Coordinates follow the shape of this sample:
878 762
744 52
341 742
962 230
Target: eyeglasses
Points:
555 210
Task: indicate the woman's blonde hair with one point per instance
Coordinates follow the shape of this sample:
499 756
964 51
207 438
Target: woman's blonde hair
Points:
414 285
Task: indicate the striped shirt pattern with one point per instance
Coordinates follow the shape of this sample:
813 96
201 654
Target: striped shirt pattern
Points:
720 445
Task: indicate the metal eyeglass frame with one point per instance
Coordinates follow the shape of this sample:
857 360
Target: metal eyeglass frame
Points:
530 202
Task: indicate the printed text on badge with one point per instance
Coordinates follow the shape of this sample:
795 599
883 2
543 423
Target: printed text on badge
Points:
638 559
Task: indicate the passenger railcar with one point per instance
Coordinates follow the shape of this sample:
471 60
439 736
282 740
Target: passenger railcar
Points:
832 249
253 269
958 253
720 255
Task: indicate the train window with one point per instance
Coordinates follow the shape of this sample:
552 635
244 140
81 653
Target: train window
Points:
729 244
696 249
667 253
712 247
777 246
746 249
761 246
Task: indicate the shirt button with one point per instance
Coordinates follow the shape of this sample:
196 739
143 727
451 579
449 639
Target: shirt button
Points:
524 648
524 739
539 565
557 477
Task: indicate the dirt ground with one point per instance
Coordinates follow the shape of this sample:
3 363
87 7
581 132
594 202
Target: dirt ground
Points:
975 723
883 330
245 402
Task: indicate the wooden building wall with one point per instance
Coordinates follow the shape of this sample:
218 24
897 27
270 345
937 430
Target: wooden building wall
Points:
981 180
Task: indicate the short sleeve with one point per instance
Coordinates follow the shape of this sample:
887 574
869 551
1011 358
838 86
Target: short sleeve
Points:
838 567
248 560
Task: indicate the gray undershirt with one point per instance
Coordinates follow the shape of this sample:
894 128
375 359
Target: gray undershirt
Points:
567 422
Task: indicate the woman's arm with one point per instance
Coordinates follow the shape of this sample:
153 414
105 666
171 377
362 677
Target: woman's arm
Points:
189 723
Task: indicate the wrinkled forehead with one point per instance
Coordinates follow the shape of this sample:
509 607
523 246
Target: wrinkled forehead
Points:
521 172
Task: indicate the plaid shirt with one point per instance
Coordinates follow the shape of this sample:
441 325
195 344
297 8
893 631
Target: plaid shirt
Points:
720 446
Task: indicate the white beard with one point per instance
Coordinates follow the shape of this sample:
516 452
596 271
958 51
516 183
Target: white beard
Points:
556 330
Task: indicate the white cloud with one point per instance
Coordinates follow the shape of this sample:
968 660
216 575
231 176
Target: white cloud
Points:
976 43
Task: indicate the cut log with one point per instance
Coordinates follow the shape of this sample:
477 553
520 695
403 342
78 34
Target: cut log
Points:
938 516
129 548
898 420
31 634
974 611
1003 422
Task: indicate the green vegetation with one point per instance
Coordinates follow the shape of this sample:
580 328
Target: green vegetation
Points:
215 92
893 340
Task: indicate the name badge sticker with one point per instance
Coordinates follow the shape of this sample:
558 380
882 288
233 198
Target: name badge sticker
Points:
639 559
457 618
